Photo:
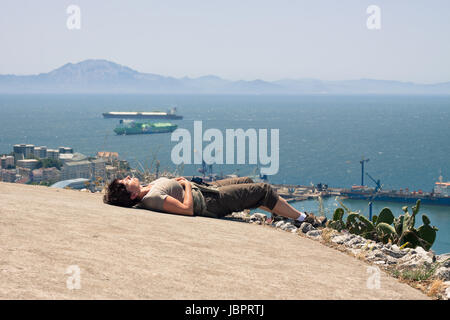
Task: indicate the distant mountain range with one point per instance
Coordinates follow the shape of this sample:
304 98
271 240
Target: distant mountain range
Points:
102 76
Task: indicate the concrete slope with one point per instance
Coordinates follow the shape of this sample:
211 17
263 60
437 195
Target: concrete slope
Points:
139 254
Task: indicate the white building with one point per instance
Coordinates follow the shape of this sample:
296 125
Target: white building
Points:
76 169
84 169
40 152
27 163
6 161
52 154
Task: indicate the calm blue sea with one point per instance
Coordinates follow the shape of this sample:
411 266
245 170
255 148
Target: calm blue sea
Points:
322 138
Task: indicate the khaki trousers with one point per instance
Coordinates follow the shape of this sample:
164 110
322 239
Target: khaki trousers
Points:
237 194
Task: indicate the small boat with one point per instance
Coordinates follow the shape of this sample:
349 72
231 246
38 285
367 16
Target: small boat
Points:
127 127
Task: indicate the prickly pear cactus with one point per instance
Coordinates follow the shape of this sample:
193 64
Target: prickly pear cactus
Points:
374 219
402 232
386 232
354 225
427 232
337 223
398 224
385 216
338 214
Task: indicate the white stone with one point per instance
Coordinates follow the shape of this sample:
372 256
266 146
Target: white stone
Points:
355 252
393 253
444 259
305 227
279 224
353 242
289 227
314 234
415 260
240 215
443 273
421 251
376 255
286 226
340 239
258 216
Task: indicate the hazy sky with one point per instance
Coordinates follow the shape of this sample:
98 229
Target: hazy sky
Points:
234 39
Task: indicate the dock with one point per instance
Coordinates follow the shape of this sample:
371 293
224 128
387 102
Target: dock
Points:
294 193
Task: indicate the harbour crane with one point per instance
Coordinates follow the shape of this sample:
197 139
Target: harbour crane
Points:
362 169
377 182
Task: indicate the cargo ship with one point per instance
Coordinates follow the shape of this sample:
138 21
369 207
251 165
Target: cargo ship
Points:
439 196
171 114
127 127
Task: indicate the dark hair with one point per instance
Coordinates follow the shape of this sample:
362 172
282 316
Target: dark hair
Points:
117 195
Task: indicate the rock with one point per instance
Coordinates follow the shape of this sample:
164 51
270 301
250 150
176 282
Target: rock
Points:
397 254
378 245
444 259
352 242
240 215
258 217
355 252
305 227
279 224
391 260
340 239
314 234
376 255
443 273
421 251
446 295
414 260
381 262
288 227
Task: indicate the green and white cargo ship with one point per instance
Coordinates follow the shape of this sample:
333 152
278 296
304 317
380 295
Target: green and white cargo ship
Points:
127 127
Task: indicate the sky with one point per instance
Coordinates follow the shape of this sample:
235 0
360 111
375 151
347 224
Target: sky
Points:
233 39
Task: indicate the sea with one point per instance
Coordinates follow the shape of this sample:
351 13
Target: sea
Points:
322 138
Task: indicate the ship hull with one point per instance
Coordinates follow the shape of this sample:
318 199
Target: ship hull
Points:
126 131
145 128
441 201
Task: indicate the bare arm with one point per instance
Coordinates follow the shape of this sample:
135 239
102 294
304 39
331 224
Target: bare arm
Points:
186 207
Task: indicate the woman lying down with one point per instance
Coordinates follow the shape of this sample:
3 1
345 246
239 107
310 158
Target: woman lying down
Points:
216 200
